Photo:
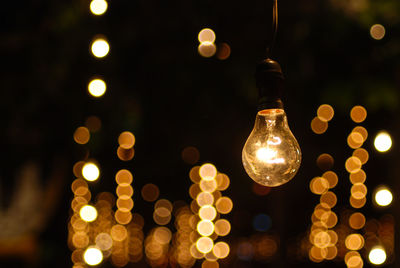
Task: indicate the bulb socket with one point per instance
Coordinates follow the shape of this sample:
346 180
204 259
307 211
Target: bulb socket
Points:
269 81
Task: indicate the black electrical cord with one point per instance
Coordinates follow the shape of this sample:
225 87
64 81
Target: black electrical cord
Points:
274 26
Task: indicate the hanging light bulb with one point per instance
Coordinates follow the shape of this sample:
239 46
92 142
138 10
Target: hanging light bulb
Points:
271 155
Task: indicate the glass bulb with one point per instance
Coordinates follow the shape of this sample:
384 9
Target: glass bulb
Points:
271 155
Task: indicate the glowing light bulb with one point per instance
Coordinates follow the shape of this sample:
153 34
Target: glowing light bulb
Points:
271 155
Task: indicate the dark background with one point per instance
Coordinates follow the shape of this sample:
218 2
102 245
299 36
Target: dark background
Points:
170 97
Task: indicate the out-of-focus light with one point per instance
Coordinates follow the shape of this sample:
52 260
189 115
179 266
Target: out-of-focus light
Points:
262 222
88 213
205 228
123 177
318 126
162 235
325 112
150 192
358 177
355 140
222 227
204 244
207 49
224 205
358 114
319 185
190 155
325 161
357 220
357 203
361 154
97 87
204 199
358 190
98 7
353 164
377 255
93 123
208 172
123 217
354 241
104 241
125 154
93 256
224 51
100 48
328 199
383 197
81 135
383 142
124 191
377 31
126 140
331 177
362 131
221 250
208 186
207 213
118 232
206 35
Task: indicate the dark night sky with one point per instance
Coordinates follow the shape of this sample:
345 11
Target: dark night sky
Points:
170 97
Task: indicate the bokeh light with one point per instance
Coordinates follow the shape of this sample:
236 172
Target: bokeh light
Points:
205 228
125 154
325 162
358 177
377 255
100 48
93 256
224 205
207 49
221 250
377 31
353 164
93 123
150 192
207 213
224 51
204 244
325 112
81 135
97 87
123 177
118 232
354 242
103 241
383 142
222 227
208 172
331 177
318 126
319 185
204 199
383 196
98 7
206 35
88 213
358 114
126 140
190 155
361 154
357 220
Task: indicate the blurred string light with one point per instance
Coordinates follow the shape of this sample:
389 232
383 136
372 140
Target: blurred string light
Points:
97 87
100 48
208 204
322 235
88 213
98 7
383 196
377 255
81 135
377 31
383 142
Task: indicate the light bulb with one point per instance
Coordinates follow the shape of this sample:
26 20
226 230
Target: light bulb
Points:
271 155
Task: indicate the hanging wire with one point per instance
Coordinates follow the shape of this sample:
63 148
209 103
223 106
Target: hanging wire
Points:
274 26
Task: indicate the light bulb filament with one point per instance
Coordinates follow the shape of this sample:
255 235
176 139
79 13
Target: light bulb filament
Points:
268 155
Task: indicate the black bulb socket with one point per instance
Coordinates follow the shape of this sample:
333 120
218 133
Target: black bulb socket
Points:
269 81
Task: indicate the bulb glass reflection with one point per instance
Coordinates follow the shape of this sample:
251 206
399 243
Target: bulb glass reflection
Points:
271 155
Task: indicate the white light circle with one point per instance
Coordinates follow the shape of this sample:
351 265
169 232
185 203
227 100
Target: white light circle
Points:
383 197
383 142
90 171
377 255
93 256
